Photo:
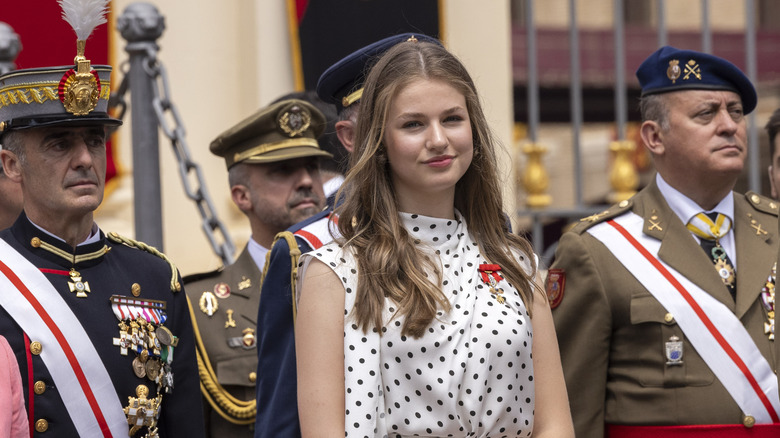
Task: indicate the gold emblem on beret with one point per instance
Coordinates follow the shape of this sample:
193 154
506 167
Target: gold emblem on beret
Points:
673 72
692 68
294 121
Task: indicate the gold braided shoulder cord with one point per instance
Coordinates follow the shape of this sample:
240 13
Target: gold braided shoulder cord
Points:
226 405
295 254
175 285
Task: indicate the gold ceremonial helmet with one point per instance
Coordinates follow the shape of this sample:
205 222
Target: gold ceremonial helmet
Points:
75 94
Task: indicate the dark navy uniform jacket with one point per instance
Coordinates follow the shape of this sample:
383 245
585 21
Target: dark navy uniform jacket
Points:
113 273
277 402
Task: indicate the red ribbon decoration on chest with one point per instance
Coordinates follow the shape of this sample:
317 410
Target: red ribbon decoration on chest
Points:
486 270
491 277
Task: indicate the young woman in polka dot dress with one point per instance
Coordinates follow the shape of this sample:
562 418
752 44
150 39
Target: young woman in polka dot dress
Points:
417 320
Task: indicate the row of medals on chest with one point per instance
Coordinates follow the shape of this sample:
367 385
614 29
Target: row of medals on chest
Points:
152 345
154 348
140 336
154 351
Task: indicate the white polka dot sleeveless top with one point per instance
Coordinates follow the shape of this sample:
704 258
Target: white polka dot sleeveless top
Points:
470 375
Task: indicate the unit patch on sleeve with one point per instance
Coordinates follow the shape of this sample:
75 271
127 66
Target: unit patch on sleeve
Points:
556 280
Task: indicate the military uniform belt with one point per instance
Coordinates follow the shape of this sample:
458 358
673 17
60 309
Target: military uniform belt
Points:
694 431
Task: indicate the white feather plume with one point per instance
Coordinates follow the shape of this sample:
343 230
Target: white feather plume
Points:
84 15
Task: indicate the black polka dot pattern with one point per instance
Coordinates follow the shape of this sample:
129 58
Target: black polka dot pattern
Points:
471 374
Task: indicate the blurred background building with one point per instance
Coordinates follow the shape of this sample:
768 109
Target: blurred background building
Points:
565 118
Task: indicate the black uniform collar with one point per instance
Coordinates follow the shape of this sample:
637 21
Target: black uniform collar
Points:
55 250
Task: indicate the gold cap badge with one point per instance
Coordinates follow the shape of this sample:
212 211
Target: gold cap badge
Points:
294 121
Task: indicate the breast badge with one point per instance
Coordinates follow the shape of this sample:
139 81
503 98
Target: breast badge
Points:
221 290
249 337
230 321
142 411
247 341
674 351
77 285
208 303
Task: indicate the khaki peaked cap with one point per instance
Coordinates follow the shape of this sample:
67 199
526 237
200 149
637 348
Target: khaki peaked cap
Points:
281 131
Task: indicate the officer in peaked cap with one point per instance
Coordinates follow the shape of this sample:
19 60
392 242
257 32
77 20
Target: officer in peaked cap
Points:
273 168
277 412
93 318
664 303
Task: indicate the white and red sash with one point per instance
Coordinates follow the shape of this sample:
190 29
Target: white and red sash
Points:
716 333
318 233
71 359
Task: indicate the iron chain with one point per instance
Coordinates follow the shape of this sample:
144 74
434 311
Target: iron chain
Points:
189 170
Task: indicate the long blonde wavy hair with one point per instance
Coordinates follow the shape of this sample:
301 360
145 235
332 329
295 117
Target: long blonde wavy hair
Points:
388 262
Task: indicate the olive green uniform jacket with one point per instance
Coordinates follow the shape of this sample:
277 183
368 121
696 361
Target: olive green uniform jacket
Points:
231 348
612 331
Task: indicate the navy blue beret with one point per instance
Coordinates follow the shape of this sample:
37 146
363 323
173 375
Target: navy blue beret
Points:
671 69
342 83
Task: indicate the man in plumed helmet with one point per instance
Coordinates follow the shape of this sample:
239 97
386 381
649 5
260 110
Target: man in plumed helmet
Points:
93 319
664 303
273 161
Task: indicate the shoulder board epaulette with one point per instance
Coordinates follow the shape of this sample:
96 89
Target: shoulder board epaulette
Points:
762 203
191 278
613 211
175 285
318 233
